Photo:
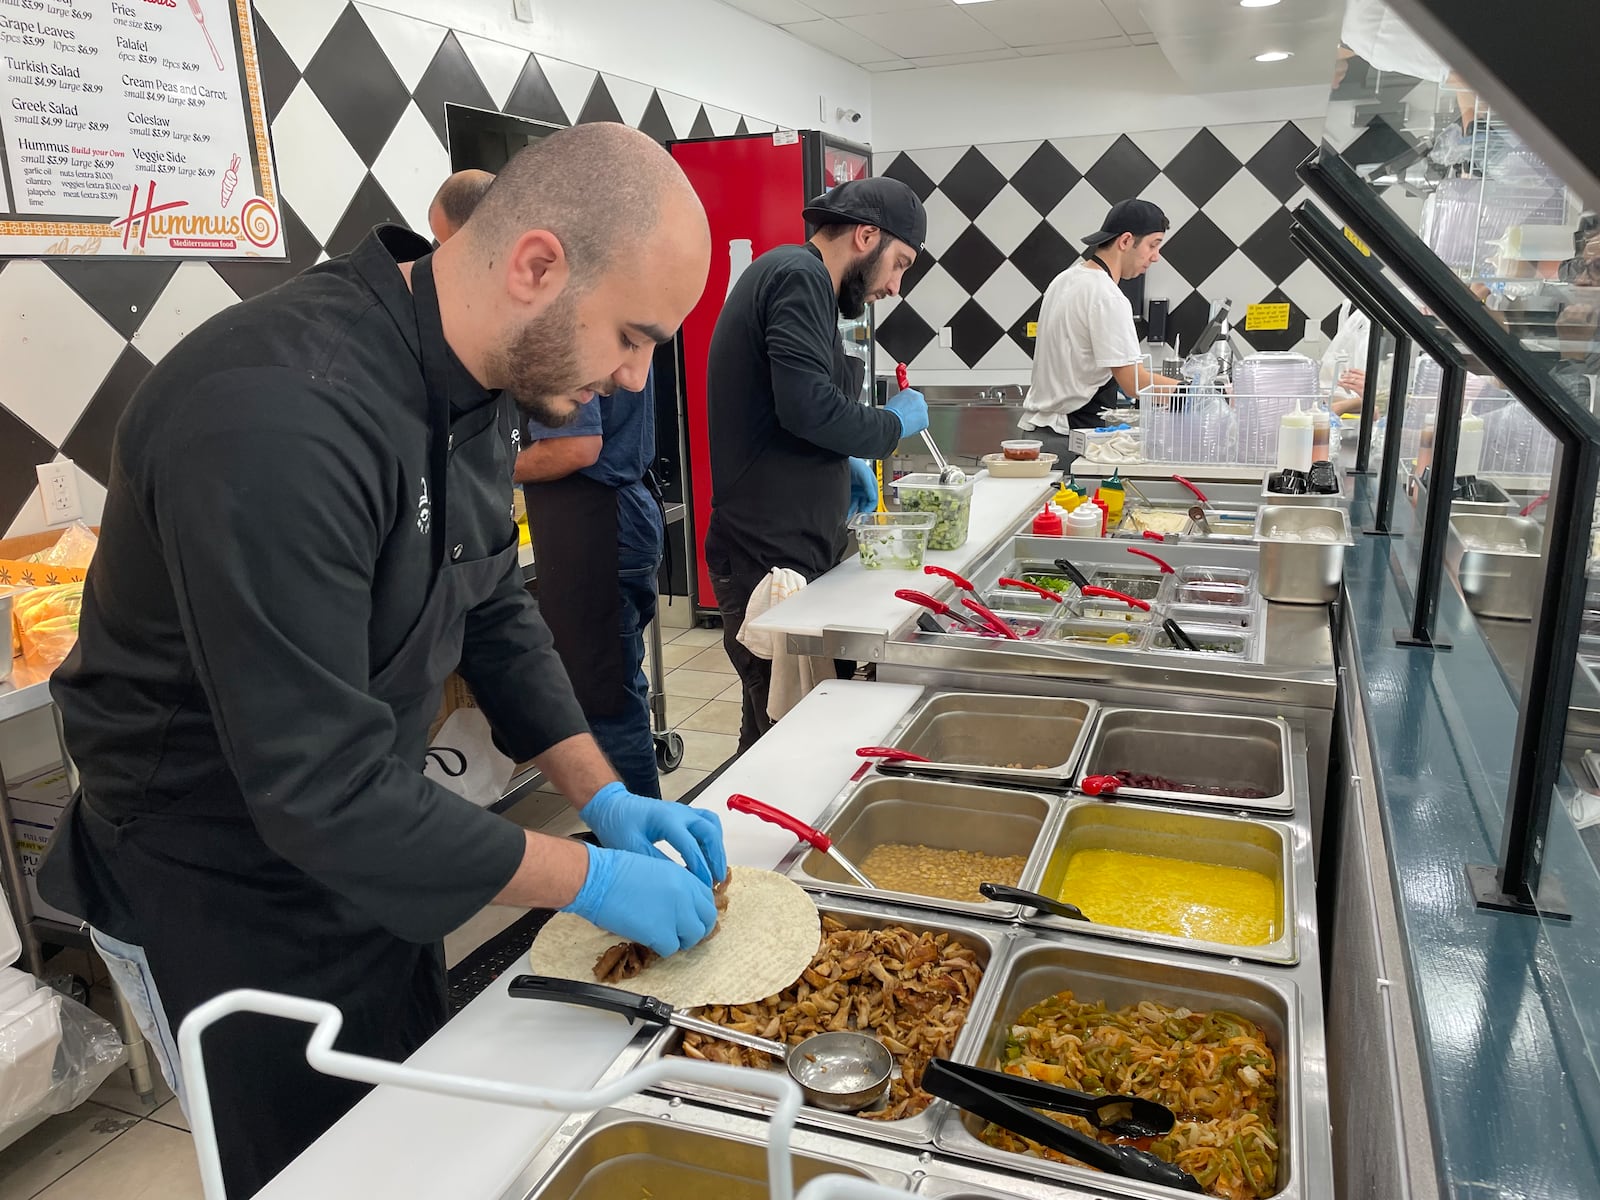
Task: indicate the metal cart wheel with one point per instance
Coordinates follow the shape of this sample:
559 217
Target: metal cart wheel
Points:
669 751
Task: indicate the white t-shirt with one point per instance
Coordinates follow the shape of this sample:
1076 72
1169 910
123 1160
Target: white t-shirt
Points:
1085 329
1348 344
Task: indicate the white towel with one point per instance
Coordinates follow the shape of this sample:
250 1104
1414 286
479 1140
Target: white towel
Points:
793 675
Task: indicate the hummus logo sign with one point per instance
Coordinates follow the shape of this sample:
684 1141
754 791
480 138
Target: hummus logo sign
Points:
256 223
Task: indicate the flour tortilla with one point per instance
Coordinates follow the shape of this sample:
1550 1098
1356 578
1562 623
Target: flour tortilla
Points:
768 935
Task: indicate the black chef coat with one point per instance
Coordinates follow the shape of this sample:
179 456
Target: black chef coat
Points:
265 555
783 421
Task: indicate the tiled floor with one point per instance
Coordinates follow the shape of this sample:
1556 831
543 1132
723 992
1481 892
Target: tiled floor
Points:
116 1147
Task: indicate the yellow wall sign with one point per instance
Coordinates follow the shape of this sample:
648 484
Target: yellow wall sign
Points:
1267 316
1033 329
1350 236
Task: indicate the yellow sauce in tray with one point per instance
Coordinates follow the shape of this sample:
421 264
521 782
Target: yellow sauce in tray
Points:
1202 901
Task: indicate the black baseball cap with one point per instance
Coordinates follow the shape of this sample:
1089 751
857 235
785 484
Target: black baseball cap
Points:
1138 217
885 203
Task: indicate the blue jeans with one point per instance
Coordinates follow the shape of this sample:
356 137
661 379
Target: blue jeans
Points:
626 736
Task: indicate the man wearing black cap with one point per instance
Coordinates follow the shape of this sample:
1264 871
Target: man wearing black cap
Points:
788 435
1087 346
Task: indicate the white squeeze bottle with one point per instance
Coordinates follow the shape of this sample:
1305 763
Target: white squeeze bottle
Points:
1469 453
741 251
1294 440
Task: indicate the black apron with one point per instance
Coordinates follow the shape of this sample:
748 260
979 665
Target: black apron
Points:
215 909
573 526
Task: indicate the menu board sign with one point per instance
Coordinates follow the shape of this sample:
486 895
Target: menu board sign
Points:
134 127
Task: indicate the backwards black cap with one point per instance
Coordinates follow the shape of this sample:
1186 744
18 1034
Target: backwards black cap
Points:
1138 217
886 203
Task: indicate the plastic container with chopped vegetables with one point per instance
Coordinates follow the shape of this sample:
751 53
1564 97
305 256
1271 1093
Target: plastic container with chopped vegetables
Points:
892 540
950 504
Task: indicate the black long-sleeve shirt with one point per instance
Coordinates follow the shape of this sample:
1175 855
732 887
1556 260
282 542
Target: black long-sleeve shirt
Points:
262 558
783 422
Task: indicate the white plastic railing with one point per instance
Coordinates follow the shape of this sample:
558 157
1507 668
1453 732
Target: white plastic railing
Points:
327 1020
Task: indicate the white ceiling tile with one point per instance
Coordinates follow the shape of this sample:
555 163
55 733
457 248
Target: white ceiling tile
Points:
1246 140
1129 17
55 347
571 83
1079 213
1237 279
1036 22
411 166
971 56
723 122
857 8
631 97
1005 356
318 171
946 222
1084 152
1161 146
1008 157
497 64
775 12
195 294
836 39
408 44
939 31
936 161
892 64
1007 294
299 25
681 111
937 297
1008 219
1050 48
1241 206
1169 198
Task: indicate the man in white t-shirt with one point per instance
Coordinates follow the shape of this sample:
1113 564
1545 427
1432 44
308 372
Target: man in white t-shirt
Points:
1087 345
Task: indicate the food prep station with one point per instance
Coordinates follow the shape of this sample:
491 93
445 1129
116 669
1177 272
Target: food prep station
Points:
1218 760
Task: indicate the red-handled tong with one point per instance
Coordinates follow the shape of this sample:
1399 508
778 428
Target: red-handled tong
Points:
806 833
1166 568
1153 536
1007 581
1107 593
940 608
965 585
1096 785
993 620
1198 494
1528 512
890 754
902 376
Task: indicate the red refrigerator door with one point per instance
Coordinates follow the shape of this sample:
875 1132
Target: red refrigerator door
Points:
753 191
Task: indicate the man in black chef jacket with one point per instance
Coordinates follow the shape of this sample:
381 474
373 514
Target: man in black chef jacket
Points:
788 436
306 528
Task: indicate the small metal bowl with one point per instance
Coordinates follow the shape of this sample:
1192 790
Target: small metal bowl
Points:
841 1072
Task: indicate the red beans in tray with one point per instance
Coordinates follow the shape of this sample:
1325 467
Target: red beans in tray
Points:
1158 783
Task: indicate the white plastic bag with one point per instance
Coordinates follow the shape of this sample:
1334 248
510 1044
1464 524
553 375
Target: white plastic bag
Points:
54 1054
463 758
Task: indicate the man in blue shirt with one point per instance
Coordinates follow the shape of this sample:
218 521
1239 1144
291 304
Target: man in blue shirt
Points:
597 538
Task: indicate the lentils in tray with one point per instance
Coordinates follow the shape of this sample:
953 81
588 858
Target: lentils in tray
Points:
944 874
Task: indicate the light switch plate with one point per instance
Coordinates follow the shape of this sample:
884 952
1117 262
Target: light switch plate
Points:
946 338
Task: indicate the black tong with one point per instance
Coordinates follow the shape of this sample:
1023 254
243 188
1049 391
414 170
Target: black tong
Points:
1010 1100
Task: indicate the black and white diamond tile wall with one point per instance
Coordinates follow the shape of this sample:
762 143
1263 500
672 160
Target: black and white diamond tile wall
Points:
356 95
1006 219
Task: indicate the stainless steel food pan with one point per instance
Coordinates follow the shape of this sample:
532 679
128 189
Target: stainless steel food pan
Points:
1169 833
1122 977
1497 562
1201 749
1216 641
944 814
988 940
1294 568
624 1154
1219 615
979 735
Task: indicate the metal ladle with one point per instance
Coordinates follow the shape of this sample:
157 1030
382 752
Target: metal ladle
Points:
841 1072
948 475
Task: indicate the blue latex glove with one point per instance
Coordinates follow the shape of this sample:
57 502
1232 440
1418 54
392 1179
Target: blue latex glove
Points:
645 898
623 821
911 406
863 487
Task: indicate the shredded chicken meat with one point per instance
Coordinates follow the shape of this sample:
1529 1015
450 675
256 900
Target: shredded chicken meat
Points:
910 990
624 961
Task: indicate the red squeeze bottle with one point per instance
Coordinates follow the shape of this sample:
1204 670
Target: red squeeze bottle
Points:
1104 514
1047 523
